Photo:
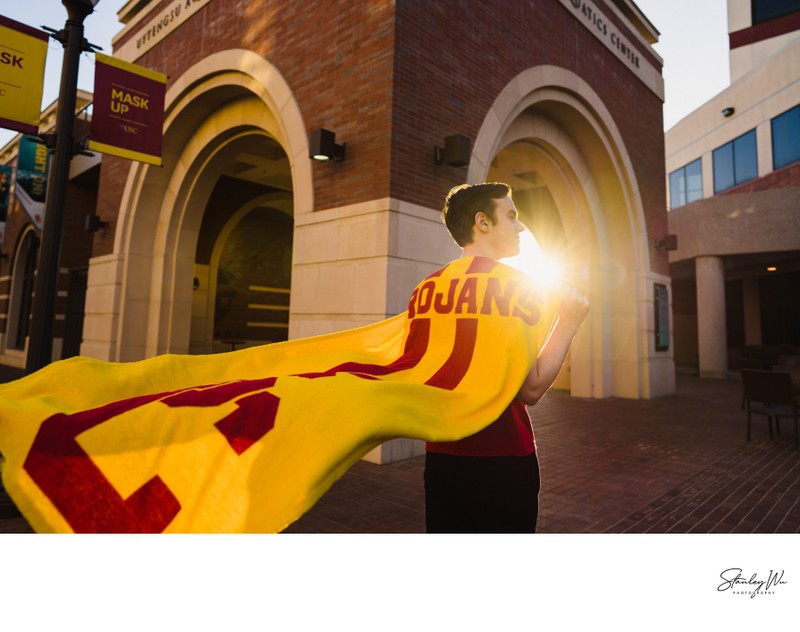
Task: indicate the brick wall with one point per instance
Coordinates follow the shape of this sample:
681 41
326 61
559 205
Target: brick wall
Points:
783 178
113 172
393 78
452 61
336 58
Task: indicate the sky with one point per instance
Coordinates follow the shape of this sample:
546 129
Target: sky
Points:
693 44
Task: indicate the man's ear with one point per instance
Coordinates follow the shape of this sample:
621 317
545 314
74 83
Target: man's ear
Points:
481 222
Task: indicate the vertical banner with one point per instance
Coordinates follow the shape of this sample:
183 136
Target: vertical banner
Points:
23 52
33 162
5 199
128 110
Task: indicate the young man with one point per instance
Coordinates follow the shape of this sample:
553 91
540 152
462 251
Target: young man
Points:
489 482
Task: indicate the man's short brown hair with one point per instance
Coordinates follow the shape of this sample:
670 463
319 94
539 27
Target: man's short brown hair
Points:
464 200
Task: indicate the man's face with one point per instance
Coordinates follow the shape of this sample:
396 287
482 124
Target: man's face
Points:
504 234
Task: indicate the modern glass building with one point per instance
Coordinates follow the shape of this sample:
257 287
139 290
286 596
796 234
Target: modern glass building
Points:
733 173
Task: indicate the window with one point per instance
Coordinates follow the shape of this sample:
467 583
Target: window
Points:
735 162
786 138
764 10
686 184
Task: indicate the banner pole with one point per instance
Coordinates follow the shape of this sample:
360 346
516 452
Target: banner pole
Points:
40 349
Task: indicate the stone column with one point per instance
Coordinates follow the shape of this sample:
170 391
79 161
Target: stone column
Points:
711 327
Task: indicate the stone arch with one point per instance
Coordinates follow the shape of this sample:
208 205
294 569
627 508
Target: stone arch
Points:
571 138
21 293
214 110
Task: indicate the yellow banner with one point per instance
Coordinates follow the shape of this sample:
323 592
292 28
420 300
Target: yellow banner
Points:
247 441
23 52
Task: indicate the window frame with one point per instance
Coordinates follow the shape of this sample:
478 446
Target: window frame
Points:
717 154
682 172
792 110
773 13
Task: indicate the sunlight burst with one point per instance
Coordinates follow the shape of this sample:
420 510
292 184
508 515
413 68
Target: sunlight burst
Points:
542 268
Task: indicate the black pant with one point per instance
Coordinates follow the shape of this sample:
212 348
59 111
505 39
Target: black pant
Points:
494 494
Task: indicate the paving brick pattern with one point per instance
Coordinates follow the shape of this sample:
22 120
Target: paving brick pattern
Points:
677 464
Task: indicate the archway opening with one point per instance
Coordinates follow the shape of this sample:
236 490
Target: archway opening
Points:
243 261
22 291
576 192
233 129
521 166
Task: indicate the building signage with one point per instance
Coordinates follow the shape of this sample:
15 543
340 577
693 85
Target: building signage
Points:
661 307
128 110
165 22
23 51
5 199
599 25
33 162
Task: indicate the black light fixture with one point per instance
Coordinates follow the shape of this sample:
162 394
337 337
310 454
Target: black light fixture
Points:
726 112
94 223
455 152
667 242
322 146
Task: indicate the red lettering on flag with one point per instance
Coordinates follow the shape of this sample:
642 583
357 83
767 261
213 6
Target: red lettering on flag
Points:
441 306
71 480
253 418
67 475
416 345
456 366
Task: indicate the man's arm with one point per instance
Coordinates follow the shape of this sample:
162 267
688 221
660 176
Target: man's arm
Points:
571 312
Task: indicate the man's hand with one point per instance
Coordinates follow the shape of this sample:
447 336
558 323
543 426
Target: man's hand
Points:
573 307
571 312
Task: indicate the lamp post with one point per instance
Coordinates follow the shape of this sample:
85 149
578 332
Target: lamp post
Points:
40 349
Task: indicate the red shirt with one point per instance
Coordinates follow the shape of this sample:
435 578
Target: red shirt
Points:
510 435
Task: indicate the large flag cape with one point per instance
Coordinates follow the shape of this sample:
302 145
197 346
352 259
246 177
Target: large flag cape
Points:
247 441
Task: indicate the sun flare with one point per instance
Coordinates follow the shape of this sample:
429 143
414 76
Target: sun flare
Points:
542 268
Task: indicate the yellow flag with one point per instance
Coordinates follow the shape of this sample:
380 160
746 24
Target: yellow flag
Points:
22 59
247 441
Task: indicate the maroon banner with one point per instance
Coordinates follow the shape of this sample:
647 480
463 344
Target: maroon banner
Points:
128 110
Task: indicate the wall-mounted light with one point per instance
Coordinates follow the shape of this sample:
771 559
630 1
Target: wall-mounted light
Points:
726 112
667 242
455 152
322 146
94 223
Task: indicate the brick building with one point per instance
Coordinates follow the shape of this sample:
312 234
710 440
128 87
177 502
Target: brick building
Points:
733 171
241 238
20 247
